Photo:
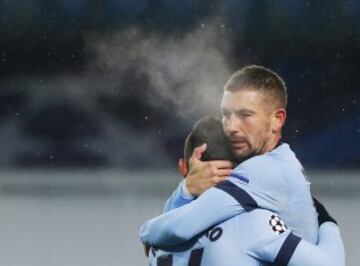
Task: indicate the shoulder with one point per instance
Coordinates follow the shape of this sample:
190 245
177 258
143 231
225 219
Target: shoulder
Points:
266 166
263 175
260 227
263 220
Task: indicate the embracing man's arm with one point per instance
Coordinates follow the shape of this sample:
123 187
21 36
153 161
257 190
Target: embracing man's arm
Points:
278 245
329 251
202 176
330 248
181 224
229 198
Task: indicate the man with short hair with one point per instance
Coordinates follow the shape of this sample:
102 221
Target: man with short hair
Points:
253 237
269 175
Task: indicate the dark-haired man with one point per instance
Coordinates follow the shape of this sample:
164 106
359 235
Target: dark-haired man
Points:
218 155
268 177
253 237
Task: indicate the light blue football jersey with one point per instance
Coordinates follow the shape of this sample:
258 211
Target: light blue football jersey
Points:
255 238
274 181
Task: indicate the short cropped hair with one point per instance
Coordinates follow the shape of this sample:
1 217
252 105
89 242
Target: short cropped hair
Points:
261 79
209 130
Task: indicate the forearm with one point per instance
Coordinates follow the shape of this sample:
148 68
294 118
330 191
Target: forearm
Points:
181 224
329 251
178 198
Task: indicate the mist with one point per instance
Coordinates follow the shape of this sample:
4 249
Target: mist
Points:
187 71
180 76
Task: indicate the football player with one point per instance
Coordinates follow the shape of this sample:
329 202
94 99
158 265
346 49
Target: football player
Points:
269 175
251 238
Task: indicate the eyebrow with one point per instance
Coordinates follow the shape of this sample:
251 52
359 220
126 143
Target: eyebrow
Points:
242 110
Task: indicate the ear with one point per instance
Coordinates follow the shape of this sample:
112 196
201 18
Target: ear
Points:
278 120
183 167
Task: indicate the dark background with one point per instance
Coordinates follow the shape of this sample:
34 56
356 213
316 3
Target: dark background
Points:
96 98
75 91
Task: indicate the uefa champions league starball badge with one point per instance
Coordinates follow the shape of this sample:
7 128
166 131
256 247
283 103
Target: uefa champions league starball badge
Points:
276 224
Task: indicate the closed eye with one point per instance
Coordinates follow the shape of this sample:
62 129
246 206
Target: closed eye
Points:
244 114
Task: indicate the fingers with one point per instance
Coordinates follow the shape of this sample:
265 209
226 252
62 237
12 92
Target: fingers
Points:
218 179
211 170
223 172
198 151
220 164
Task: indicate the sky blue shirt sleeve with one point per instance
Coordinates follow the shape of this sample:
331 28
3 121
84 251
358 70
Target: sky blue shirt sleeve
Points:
258 180
288 249
264 236
178 198
182 224
329 251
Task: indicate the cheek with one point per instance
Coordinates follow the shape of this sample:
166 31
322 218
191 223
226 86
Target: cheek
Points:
253 125
252 130
257 130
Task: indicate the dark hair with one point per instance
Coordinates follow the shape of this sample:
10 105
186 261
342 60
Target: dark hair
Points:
262 79
209 130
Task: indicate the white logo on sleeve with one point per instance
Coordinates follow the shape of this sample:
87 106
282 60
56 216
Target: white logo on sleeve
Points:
276 224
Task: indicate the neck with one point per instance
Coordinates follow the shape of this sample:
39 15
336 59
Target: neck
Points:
271 144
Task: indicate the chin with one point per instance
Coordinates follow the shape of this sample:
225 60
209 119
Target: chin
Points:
241 155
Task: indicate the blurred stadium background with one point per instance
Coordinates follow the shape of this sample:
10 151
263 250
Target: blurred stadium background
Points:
98 96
